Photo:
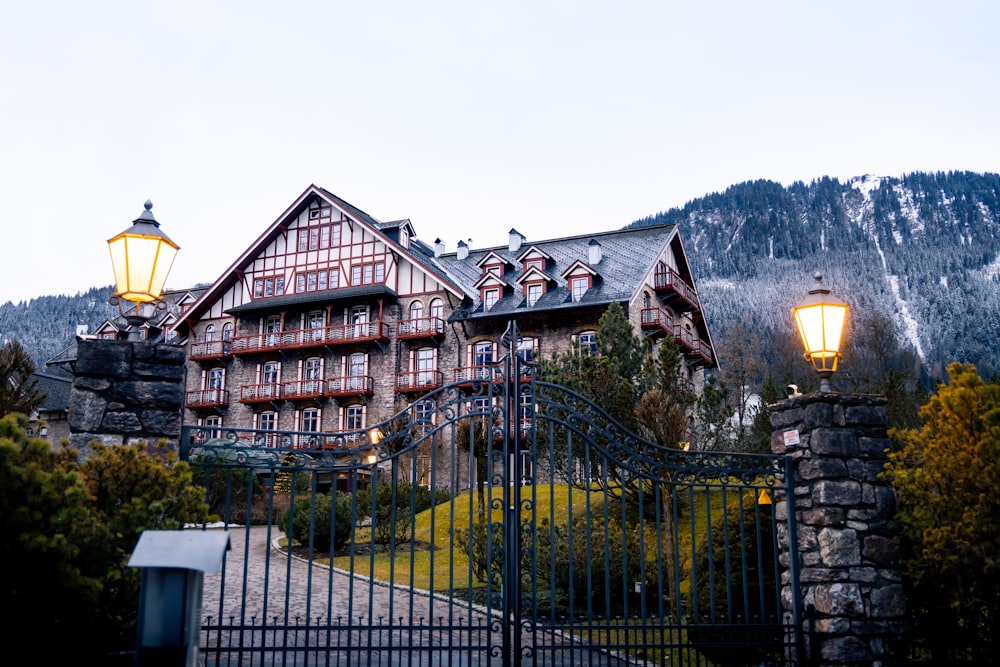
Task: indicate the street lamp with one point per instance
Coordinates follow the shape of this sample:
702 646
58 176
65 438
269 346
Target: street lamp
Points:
141 257
820 319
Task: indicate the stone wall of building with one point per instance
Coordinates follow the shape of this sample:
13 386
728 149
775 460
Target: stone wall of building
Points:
849 582
124 392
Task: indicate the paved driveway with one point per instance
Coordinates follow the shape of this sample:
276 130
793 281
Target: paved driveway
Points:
289 611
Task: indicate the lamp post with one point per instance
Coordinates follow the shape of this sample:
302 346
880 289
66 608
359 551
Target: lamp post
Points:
141 257
820 319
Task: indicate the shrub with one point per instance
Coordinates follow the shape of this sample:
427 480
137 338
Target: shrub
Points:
395 505
324 521
67 530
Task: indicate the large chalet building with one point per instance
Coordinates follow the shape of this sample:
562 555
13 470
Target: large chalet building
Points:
332 320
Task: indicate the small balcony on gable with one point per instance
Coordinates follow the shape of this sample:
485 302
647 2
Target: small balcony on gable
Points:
420 328
657 322
416 381
209 349
350 385
303 389
207 398
260 393
674 291
693 348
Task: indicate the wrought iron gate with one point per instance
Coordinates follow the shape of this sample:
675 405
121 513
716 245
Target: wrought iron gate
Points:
501 520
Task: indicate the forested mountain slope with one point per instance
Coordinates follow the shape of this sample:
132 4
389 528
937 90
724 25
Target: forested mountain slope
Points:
924 250
47 324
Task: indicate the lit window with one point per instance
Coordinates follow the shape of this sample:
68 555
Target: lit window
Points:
490 297
587 343
534 293
579 286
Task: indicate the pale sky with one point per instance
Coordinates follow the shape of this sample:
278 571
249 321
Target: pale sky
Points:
469 118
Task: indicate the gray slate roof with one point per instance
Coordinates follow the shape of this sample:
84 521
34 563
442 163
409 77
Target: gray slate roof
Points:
56 388
627 255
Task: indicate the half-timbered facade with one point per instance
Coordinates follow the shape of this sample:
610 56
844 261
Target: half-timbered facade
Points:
333 319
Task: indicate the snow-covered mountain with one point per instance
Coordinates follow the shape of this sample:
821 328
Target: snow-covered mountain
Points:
924 250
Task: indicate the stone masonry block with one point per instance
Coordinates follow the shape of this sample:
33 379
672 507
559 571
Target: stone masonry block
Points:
835 441
104 358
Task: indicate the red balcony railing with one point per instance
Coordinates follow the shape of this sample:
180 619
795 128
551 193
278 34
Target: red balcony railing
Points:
351 385
260 393
468 374
420 327
207 398
209 349
675 290
657 320
692 347
419 380
303 389
319 336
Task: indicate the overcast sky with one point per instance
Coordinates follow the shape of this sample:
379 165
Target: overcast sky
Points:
469 118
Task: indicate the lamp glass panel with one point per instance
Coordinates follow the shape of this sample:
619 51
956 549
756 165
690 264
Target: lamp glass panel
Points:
810 324
119 263
833 327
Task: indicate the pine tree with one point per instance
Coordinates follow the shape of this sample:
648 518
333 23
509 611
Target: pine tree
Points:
19 392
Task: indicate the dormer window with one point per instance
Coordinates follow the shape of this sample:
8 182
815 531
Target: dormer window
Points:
490 297
533 292
495 269
579 286
534 263
404 237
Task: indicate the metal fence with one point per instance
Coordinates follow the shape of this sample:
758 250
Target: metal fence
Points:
504 521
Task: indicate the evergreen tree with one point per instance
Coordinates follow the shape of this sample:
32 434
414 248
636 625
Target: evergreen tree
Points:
19 392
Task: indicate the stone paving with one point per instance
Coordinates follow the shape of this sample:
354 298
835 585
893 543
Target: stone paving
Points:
410 627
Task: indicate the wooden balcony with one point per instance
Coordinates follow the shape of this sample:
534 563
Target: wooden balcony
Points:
468 375
316 337
351 385
207 398
209 349
418 380
657 322
421 327
471 374
674 291
260 393
693 348
303 389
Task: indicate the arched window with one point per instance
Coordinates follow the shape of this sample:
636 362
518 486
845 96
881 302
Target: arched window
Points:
227 331
437 308
417 316
210 332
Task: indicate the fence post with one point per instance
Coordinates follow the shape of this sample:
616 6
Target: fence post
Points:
849 579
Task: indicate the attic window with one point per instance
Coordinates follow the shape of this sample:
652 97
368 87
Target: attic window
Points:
533 292
579 286
404 237
534 262
490 296
495 269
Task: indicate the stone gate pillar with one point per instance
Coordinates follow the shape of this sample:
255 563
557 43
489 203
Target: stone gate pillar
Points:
849 581
126 391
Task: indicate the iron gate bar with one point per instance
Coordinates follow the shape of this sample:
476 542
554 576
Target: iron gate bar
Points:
628 593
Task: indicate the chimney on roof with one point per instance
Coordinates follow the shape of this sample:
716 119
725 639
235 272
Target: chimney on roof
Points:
594 253
463 250
514 240
438 247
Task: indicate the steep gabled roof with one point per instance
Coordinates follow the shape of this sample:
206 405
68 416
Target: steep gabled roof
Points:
232 274
627 258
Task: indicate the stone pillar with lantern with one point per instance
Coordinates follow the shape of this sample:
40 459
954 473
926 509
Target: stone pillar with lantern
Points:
849 579
132 390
